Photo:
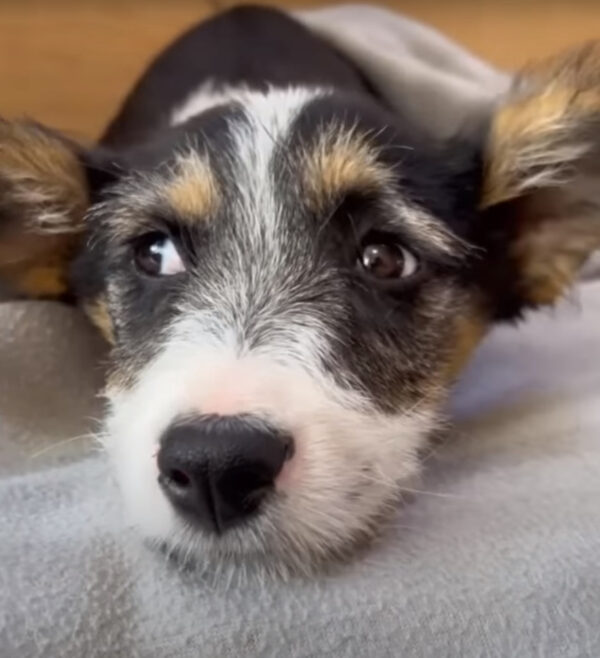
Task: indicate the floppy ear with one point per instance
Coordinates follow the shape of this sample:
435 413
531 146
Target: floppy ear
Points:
44 193
542 172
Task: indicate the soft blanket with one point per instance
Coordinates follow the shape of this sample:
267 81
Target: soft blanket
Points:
494 555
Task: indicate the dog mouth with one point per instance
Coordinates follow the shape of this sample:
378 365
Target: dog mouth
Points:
279 532
267 545
293 473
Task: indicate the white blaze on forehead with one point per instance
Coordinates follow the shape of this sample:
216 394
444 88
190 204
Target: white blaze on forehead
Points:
265 123
212 94
268 120
343 152
208 95
268 117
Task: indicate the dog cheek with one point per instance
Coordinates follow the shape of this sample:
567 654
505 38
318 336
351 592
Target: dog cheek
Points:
348 458
141 406
348 474
98 312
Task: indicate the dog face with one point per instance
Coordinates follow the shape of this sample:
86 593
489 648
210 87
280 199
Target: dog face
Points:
276 276
290 281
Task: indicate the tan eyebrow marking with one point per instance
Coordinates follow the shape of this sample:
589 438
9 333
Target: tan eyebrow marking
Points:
192 191
340 161
189 189
345 160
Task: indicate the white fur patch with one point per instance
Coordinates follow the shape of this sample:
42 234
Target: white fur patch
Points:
209 94
349 458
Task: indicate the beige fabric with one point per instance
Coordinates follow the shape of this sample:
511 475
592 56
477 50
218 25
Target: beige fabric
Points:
417 70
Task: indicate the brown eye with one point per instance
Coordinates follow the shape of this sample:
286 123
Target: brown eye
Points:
157 255
388 261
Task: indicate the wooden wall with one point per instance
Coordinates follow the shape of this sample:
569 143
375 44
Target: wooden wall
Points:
68 63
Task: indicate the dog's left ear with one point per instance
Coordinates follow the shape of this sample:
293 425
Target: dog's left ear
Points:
542 172
45 187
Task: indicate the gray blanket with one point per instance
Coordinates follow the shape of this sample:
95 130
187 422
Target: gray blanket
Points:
498 556
493 554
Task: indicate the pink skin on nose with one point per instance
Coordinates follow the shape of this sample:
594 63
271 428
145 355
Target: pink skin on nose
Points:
232 392
247 388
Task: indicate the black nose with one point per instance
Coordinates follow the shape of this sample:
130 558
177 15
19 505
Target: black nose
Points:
216 470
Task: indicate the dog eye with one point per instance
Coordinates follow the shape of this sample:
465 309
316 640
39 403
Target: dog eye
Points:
157 255
388 260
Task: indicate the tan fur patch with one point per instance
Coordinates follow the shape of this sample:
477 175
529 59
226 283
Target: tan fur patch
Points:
550 252
43 199
193 192
469 329
543 157
340 162
35 265
543 126
42 173
37 280
97 311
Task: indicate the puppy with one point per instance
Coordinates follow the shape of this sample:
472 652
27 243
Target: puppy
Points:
290 275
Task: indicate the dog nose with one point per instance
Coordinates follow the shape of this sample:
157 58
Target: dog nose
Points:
216 470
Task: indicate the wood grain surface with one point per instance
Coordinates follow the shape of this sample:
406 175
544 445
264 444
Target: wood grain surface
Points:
68 64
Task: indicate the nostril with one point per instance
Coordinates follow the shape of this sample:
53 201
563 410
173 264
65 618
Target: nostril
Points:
288 443
175 476
218 471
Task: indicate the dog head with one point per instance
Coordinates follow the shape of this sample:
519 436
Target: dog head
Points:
290 281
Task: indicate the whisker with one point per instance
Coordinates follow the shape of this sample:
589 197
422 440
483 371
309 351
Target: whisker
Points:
438 494
53 446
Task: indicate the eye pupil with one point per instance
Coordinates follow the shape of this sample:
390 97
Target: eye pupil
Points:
383 261
148 256
156 255
153 254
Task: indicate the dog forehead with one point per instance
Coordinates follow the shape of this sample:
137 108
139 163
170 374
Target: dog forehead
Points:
260 155
309 143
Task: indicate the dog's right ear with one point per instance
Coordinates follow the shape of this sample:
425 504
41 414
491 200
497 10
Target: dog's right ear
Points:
46 183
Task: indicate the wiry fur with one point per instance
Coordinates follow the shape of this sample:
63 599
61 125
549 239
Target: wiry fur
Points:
43 194
43 178
334 491
268 171
245 341
543 162
542 131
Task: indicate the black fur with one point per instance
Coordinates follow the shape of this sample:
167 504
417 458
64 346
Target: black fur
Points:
254 46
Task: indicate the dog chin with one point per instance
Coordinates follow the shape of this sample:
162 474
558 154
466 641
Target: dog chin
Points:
347 470
259 547
300 530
